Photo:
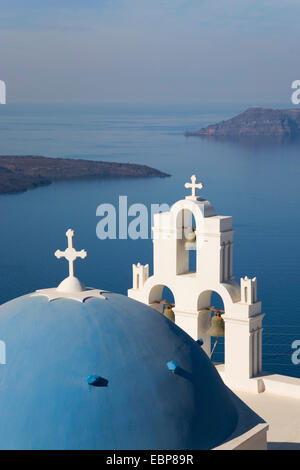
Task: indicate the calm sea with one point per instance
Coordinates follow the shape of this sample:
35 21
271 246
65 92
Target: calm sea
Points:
256 183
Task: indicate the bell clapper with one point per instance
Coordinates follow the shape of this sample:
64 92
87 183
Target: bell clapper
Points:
212 351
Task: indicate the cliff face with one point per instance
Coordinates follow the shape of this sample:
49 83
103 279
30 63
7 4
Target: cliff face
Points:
19 173
260 122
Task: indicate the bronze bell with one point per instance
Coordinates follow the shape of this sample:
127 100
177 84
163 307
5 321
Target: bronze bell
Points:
217 327
168 312
190 238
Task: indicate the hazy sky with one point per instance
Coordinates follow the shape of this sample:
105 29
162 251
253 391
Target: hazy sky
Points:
161 51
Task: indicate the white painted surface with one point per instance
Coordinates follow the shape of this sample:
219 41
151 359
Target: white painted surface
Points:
283 386
255 439
282 415
192 290
80 296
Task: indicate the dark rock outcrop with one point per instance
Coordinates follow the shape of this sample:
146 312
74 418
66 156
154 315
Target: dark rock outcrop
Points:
19 173
256 122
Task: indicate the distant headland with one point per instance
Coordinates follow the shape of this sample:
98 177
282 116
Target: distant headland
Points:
256 122
20 173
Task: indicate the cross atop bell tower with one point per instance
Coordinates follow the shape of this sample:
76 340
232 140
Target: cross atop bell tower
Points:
193 186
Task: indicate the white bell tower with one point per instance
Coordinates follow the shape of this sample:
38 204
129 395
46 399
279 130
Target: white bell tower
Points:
212 240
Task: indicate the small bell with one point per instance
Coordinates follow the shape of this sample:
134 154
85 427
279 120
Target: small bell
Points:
190 238
168 312
217 327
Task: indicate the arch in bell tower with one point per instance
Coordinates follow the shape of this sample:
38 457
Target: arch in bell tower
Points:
213 250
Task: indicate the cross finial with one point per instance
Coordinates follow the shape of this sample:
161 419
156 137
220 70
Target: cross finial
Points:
70 253
193 185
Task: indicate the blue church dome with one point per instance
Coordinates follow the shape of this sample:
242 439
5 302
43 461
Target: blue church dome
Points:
94 375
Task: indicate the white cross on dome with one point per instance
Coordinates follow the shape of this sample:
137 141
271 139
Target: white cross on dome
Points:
70 253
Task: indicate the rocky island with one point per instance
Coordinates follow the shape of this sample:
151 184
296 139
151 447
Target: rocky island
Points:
256 122
19 173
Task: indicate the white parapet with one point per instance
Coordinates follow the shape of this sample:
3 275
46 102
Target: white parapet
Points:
248 290
140 275
282 385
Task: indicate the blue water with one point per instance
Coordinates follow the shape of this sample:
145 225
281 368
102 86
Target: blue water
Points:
258 184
